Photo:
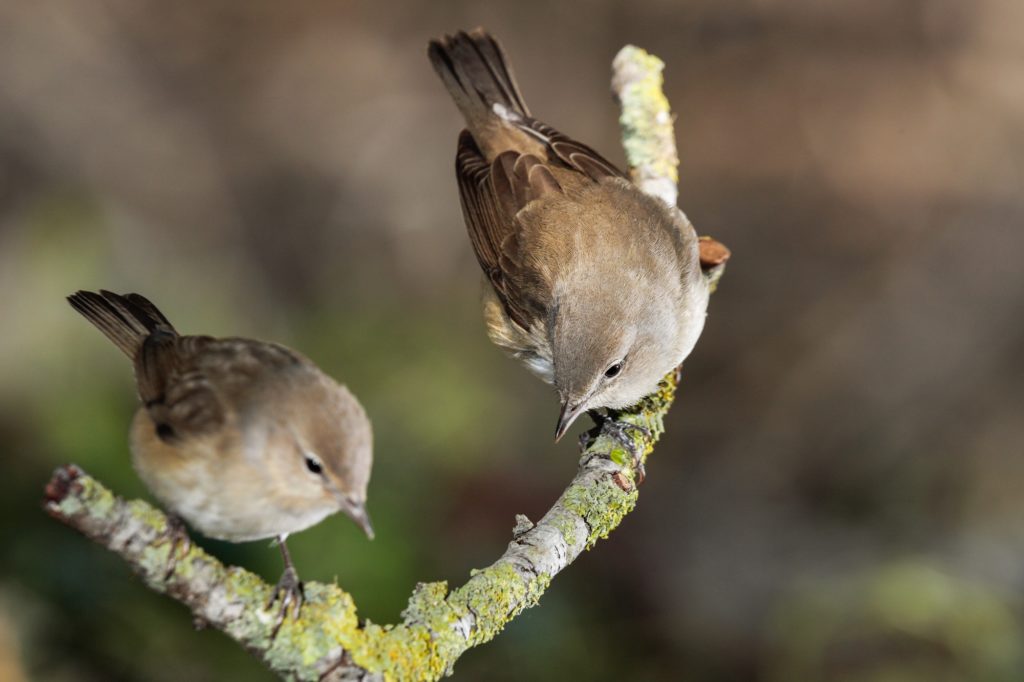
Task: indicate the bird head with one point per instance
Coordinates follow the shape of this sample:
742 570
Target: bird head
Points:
611 352
332 452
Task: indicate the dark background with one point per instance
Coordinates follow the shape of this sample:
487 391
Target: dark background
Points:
838 496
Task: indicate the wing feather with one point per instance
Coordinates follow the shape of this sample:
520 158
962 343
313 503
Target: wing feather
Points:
493 194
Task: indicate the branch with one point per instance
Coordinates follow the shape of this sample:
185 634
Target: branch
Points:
647 132
650 143
327 641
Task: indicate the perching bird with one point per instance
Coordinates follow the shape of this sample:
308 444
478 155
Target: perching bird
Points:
242 439
595 286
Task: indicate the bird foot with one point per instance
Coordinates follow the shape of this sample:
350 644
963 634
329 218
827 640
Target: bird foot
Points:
620 432
588 437
290 594
181 543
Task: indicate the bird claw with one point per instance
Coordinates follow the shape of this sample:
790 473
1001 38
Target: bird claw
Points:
588 437
620 432
289 592
181 543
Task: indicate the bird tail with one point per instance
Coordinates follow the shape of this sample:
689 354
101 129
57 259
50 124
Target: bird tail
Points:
126 320
477 75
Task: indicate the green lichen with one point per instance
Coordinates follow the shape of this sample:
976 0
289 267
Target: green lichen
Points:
239 582
147 515
401 652
427 643
326 621
156 558
602 505
566 525
494 595
639 429
621 457
646 118
95 500
438 625
422 647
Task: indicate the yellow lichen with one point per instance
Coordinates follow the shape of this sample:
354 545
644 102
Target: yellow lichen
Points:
646 118
565 525
602 506
438 625
428 642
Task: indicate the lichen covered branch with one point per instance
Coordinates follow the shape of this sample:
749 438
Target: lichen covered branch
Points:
327 641
648 134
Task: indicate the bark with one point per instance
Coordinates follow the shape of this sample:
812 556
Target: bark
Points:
327 640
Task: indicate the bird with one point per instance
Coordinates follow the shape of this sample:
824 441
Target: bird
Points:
242 439
593 285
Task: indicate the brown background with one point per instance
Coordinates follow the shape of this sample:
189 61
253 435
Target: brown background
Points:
839 493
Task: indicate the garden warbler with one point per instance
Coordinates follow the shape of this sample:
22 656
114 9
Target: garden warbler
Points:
242 439
595 286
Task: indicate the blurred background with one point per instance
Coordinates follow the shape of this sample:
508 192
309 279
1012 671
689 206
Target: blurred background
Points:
838 496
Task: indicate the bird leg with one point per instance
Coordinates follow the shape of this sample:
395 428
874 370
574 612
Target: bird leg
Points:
588 437
288 589
181 543
620 432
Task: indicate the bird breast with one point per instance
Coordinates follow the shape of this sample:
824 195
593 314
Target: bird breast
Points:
216 488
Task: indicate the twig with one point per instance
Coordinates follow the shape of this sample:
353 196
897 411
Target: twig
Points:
327 641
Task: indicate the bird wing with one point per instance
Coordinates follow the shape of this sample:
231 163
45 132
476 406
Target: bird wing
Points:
490 204
177 388
215 380
574 155
494 193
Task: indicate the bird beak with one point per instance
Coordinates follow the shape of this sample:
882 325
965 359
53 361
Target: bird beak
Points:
357 512
566 418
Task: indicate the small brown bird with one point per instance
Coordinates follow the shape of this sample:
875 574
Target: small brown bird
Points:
594 285
242 439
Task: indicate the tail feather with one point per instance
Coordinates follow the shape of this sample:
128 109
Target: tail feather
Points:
155 317
476 73
126 320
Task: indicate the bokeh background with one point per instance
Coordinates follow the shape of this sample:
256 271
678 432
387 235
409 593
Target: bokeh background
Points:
839 495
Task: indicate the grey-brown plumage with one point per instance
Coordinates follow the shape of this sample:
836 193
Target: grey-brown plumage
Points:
242 439
595 286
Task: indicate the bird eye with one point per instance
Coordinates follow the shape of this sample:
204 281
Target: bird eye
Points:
613 371
314 465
